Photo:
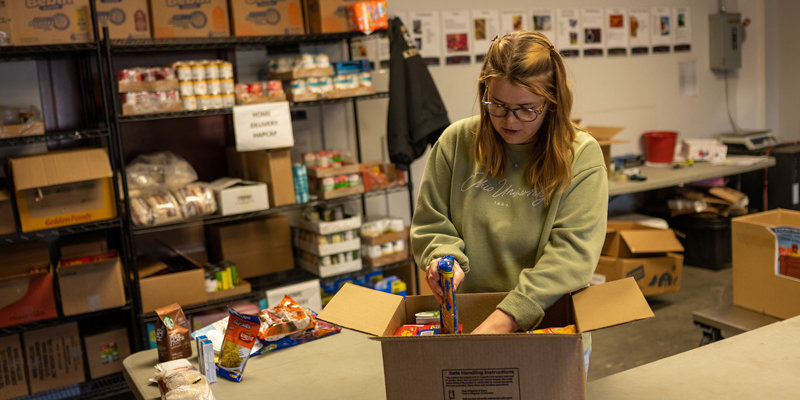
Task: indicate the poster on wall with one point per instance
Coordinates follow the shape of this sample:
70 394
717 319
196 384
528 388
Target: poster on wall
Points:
593 32
617 31
513 20
426 32
455 31
543 20
661 39
485 26
568 25
683 29
787 257
639 24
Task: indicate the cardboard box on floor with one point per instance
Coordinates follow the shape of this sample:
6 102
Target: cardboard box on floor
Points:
327 16
26 296
27 23
766 269
91 286
604 136
105 352
125 19
13 382
277 17
257 247
63 188
172 19
273 167
7 224
511 366
54 357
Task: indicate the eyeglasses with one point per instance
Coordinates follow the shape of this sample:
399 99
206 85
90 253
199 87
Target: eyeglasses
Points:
500 111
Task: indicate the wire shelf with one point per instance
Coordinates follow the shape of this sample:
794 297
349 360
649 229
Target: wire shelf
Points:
53 136
110 386
18 237
10 330
19 53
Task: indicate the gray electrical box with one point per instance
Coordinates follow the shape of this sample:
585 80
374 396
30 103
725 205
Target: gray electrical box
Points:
726 35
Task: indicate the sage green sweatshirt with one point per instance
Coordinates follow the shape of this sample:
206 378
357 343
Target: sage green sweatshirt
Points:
501 232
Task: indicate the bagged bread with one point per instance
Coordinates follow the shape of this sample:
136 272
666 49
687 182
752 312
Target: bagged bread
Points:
179 380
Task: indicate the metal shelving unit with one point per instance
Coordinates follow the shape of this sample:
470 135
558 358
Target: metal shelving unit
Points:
21 237
19 53
54 136
45 323
101 388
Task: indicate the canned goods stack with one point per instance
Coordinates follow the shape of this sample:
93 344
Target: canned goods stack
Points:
332 253
323 159
283 65
206 84
259 92
384 241
148 90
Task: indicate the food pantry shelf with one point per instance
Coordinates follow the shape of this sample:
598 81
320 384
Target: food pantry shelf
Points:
108 386
51 136
10 330
15 53
12 238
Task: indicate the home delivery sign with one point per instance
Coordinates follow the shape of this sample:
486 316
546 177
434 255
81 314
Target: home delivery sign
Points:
263 126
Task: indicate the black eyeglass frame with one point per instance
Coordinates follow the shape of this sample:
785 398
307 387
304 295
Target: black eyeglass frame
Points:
486 105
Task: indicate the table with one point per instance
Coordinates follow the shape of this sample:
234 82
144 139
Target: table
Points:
658 178
728 320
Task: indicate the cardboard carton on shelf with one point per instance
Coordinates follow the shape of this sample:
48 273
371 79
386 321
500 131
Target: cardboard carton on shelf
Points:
174 19
105 352
86 244
273 167
328 249
328 227
7 217
257 247
14 383
26 296
184 288
241 288
605 138
91 283
416 366
237 196
327 16
125 19
174 106
29 23
766 264
382 176
33 129
54 357
262 18
345 169
63 188
299 73
154 86
324 271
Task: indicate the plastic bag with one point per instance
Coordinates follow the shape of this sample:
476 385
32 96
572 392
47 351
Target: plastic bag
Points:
15 122
163 207
196 199
284 319
179 380
158 171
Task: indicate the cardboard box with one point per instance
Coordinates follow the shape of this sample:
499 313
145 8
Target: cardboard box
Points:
105 352
125 19
257 247
604 136
417 366
235 196
91 284
262 18
385 238
25 296
629 239
326 228
329 249
38 22
711 150
184 288
654 275
242 288
86 244
63 188
306 294
13 382
273 167
54 357
7 219
32 129
187 18
766 267
328 16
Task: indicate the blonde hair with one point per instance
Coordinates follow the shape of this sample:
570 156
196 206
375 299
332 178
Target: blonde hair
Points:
528 60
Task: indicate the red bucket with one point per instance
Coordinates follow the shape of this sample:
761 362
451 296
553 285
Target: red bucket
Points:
660 146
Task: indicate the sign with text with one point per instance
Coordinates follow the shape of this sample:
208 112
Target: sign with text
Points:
263 126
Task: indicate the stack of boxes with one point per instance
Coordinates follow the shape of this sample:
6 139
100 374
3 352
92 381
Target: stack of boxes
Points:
334 256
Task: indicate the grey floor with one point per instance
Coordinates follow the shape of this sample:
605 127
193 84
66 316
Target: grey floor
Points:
670 332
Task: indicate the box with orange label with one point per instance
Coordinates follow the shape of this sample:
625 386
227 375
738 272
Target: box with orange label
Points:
37 22
26 284
189 18
261 18
328 16
125 19
63 188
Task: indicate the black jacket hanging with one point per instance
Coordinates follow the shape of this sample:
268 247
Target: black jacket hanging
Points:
417 116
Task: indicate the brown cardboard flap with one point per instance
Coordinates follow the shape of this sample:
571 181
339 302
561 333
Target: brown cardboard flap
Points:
651 241
603 134
4 195
59 168
610 304
365 310
731 195
20 258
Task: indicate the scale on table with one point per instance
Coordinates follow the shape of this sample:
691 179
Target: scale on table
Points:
749 140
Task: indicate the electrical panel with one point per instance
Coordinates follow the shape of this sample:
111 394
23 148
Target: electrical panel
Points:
726 35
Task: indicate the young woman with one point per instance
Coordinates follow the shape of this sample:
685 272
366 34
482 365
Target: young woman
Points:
518 195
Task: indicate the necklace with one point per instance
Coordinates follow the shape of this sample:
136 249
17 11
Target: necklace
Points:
516 164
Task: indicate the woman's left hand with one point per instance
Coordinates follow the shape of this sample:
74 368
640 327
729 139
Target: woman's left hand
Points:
497 322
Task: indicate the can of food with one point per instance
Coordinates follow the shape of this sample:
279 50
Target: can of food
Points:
387 249
323 159
325 261
204 102
328 184
124 75
200 88
365 79
184 72
399 245
298 86
198 73
212 71
225 70
312 85
310 159
323 61
226 86
189 103
214 86
274 87
165 73
129 99
255 89
354 180
307 62
149 75
448 314
348 235
228 100
284 65
187 88
216 101
348 256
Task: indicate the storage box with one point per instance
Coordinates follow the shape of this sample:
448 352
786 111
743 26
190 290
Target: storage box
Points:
38 22
326 228
13 382
300 73
385 238
54 357
184 288
604 136
262 18
125 19
415 367
273 167
766 267
654 275
63 188
105 352
26 296
257 247
91 284
7 224
306 294
86 244
328 16
711 150
235 196
329 249
187 18
629 239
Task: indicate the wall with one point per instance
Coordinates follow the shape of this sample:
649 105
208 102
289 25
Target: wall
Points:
782 53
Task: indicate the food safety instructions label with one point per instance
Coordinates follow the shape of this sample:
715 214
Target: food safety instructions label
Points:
481 384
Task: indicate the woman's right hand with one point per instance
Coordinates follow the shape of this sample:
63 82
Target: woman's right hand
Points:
432 277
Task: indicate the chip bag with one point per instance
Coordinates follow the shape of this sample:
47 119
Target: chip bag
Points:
284 319
240 336
567 330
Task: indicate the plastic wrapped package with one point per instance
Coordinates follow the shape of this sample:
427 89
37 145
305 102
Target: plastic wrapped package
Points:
141 212
179 380
164 206
196 199
159 171
284 319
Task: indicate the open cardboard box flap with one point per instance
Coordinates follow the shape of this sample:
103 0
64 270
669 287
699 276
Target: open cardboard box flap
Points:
364 310
18 260
4 195
58 168
651 241
604 134
610 304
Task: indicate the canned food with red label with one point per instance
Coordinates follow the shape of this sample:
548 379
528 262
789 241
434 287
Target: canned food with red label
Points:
274 87
255 89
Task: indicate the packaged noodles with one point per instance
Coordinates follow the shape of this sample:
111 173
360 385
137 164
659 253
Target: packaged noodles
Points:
284 319
240 336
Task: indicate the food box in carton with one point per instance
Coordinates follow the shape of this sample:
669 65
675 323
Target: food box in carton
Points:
91 283
40 22
460 365
63 188
766 262
125 19
237 196
26 296
261 18
189 18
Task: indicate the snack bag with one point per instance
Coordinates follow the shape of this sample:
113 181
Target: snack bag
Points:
240 336
179 380
284 319
448 314
568 330
172 334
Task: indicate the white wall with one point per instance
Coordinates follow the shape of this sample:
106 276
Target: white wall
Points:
782 53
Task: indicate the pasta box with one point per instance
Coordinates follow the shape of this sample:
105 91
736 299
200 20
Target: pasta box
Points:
513 366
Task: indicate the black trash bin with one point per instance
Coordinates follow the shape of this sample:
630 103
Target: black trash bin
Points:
708 240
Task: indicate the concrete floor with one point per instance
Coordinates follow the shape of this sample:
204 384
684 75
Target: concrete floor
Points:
670 332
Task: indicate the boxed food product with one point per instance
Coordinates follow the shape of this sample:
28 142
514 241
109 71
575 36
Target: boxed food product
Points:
125 19
261 18
172 334
54 357
7 219
273 167
368 16
240 337
105 352
257 247
14 383
327 16
63 188
26 284
172 19
158 289
39 22
416 366
236 196
91 283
